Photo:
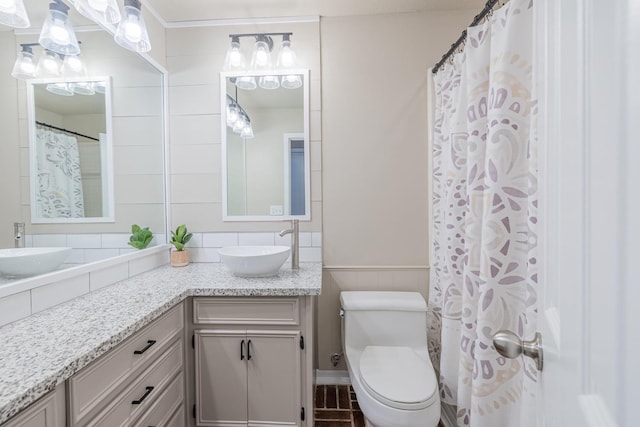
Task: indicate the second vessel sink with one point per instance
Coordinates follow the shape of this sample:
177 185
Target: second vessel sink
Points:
254 261
24 262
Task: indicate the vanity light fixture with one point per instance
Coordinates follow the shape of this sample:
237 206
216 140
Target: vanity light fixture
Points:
238 119
25 67
261 61
101 11
132 31
57 33
13 14
70 68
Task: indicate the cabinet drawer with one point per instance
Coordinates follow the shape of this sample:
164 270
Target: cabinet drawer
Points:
93 386
145 390
178 418
242 311
162 410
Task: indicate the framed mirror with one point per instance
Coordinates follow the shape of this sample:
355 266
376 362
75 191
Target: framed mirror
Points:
70 149
265 146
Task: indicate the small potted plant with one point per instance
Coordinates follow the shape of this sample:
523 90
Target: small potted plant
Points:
140 237
179 238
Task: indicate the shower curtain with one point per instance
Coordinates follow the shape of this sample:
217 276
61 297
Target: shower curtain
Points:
59 183
483 276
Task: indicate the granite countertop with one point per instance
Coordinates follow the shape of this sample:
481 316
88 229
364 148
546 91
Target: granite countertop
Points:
45 349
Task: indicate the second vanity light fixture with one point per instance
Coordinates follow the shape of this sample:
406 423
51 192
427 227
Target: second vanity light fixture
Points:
261 61
53 65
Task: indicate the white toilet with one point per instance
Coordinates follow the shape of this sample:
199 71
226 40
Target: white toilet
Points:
384 337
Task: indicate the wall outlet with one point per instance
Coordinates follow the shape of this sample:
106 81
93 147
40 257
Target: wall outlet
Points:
276 210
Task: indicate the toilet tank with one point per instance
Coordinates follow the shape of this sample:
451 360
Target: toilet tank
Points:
384 318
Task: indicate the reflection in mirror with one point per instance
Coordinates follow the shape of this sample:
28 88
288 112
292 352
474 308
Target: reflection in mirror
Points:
266 170
71 151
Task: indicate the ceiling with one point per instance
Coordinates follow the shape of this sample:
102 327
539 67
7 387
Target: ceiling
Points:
195 10
173 11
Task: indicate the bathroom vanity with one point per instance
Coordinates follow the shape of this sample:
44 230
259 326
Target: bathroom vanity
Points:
193 346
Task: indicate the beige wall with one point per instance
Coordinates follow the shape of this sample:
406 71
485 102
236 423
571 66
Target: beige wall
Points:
9 146
195 57
374 155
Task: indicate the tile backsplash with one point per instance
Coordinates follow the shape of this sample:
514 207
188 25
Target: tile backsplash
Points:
113 260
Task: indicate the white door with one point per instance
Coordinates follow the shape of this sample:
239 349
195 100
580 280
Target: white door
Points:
590 222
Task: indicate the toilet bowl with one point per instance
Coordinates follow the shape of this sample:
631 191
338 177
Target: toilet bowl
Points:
384 338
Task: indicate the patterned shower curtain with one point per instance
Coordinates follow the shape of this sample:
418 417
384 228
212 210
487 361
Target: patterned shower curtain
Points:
59 183
484 270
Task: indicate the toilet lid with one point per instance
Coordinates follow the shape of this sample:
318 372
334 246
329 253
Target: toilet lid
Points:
398 377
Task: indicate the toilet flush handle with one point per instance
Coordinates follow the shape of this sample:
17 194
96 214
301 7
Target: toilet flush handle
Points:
511 346
341 314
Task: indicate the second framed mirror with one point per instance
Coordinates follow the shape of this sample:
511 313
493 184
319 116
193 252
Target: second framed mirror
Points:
265 146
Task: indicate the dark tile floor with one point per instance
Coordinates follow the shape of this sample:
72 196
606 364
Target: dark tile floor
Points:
336 406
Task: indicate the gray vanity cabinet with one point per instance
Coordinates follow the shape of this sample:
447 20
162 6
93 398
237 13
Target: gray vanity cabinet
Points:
49 411
249 359
139 382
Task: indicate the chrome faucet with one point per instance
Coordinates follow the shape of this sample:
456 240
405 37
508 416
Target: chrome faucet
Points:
295 246
18 234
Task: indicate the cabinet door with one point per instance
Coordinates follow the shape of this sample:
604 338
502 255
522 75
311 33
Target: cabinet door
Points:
49 411
274 378
221 378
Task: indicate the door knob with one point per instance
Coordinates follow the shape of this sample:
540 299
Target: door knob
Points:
511 346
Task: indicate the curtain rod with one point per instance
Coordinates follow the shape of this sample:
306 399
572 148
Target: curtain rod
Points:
488 7
66 130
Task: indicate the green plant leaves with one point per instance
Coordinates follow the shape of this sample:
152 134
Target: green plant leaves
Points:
180 237
140 237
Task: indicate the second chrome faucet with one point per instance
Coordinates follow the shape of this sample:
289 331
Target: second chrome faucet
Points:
295 243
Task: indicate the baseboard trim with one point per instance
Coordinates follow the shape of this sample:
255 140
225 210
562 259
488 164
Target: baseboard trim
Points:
332 377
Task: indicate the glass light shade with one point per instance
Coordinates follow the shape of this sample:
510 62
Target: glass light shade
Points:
49 65
261 58
102 11
73 69
99 86
232 115
269 82
24 67
57 33
13 14
247 131
234 60
132 31
246 82
82 88
239 124
72 66
60 89
291 81
286 55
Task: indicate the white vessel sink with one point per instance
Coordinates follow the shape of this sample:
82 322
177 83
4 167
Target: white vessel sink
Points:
23 262
254 261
